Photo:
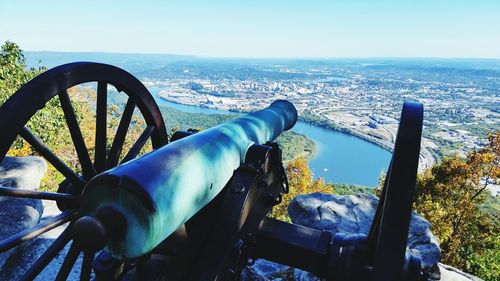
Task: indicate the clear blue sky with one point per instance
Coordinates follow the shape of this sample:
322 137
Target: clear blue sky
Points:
258 28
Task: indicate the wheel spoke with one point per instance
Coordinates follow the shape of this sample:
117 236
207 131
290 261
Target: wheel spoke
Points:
121 132
88 258
25 193
48 255
68 263
100 133
76 135
37 230
136 148
46 153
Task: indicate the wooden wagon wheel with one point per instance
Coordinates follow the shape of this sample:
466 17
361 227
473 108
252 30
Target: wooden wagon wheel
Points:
28 100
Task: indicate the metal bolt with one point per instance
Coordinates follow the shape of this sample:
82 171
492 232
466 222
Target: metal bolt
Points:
238 188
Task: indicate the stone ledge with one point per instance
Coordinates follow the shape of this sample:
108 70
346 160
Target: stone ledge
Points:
18 214
353 214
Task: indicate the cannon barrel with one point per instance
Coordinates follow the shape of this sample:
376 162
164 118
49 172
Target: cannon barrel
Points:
140 203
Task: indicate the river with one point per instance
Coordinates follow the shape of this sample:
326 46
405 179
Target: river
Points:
339 158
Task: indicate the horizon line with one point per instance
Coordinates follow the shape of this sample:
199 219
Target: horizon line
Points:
268 58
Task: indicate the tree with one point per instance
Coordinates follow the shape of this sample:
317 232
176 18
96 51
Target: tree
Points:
49 123
300 181
13 70
450 196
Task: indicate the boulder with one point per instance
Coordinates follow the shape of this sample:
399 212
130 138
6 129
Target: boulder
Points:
300 275
18 214
449 273
250 274
266 269
353 214
21 172
21 214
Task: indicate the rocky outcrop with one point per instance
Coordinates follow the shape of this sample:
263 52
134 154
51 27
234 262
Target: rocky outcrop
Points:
353 214
18 214
270 270
449 273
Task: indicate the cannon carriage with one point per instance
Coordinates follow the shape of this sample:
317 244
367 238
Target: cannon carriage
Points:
195 207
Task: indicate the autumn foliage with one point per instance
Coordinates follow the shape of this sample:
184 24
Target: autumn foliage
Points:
301 181
49 123
450 195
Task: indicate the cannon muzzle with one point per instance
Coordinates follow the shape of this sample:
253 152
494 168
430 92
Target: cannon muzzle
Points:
143 201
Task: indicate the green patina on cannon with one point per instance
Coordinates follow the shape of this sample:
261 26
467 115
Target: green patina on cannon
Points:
194 208
168 186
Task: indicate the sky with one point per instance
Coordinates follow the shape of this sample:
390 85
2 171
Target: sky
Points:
258 28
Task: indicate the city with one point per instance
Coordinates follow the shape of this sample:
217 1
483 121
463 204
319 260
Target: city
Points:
361 97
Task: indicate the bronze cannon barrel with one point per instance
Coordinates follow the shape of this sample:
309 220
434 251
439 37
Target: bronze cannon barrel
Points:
155 194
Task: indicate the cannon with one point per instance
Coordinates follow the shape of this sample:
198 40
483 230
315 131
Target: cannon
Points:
196 206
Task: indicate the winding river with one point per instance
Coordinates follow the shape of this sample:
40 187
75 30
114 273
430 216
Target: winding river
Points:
339 158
